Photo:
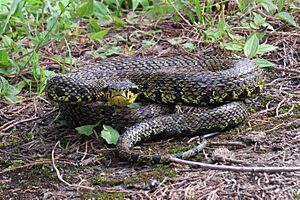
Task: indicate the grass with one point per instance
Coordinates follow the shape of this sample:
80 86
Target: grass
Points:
28 27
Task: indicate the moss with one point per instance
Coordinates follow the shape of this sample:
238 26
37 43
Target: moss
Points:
41 172
159 172
106 196
15 163
181 148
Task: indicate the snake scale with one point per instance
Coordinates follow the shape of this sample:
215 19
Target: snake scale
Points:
185 80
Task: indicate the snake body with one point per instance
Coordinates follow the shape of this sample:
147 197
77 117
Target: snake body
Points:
168 81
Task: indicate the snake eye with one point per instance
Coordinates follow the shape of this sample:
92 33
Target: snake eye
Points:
135 90
126 94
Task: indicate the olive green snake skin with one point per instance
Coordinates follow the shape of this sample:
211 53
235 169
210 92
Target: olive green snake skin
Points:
184 80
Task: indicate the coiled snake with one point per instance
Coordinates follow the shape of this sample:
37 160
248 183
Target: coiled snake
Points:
185 80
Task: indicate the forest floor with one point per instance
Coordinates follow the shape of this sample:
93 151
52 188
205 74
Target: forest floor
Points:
85 167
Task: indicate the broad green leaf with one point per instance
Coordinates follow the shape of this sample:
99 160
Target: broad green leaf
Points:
3 86
244 4
98 35
86 129
268 5
86 9
135 4
287 17
251 46
134 105
61 7
263 63
145 3
100 9
94 26
119 23
233 46
110 135
258 19
280 4
9 92
4 59
264 48
189 46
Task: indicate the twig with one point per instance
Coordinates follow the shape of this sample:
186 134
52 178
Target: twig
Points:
19 122
287 70
60 176
236 168
278 106
178 12
25 120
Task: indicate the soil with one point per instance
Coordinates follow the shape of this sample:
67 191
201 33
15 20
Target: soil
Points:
32 138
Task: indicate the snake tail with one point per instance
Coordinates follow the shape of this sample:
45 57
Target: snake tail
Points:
217 119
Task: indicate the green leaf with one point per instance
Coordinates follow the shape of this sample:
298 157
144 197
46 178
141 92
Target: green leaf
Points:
61 7
86 129
251 46
134 105
264 48
233 46
12 11
258 19
119 23
145 3
263 63
135 4
189 46
110 135
3 86
4 59
98 35
86 9
9 92
244 4
94 26
287 17
268 5
198 10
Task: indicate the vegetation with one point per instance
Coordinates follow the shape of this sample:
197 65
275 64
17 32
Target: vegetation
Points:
28 26
40 38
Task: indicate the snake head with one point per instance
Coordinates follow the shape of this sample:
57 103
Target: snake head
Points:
121 93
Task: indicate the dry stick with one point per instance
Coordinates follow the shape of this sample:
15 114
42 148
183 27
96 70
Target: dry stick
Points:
235 168
27 120
19 122
60 177
287 70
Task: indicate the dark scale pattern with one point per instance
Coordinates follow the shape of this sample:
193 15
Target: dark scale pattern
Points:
120 118
186 80
220 118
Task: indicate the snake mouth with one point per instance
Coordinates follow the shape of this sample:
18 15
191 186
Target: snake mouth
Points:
121 98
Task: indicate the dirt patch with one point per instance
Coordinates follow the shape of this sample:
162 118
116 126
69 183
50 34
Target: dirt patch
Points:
270 137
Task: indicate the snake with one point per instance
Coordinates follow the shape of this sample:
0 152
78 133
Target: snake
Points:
160 83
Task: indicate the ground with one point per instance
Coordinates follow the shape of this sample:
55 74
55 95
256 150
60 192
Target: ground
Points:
32 139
